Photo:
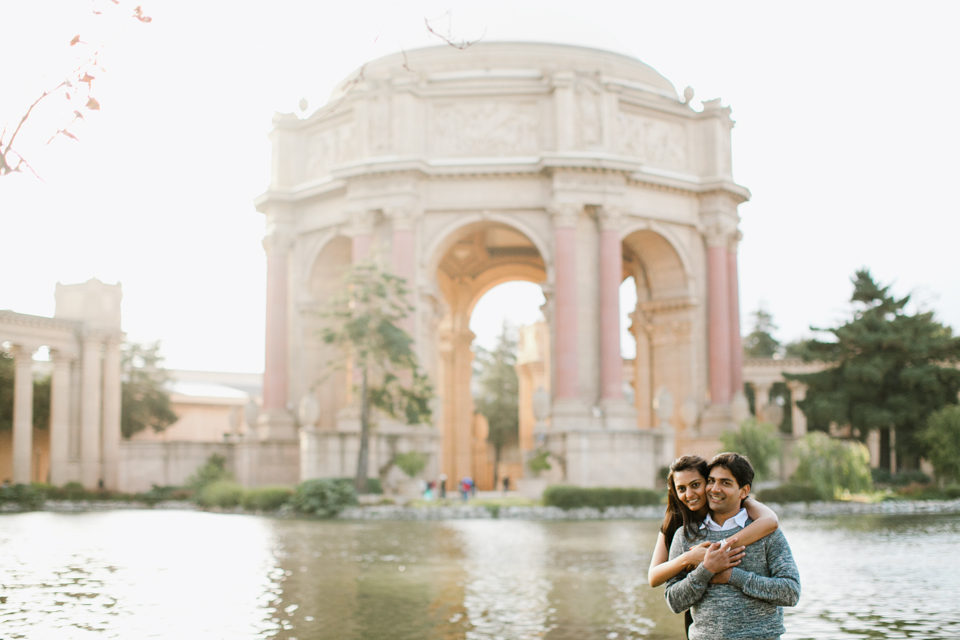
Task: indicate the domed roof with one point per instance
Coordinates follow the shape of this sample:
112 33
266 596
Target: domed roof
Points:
505 60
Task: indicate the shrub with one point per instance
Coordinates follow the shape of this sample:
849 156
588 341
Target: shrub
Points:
539 462
222 493
570 497
942 439
832 466
268 498
410 462
899 479
373 484
758 441
213 470
324 497
789 493
952 491
24 495
73 491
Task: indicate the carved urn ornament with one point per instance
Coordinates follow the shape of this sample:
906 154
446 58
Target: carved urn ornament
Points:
308 411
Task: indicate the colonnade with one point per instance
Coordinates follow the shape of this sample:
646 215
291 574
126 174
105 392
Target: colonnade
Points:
94 452
84 340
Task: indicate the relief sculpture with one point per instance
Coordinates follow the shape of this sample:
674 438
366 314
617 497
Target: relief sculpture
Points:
330 147
656 142
589 106
484 128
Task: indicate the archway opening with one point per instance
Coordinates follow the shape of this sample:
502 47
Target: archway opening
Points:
488 272
511 338
657 312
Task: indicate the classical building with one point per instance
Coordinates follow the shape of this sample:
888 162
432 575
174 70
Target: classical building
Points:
569 167
82 443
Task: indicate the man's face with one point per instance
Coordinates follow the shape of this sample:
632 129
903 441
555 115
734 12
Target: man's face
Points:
723 493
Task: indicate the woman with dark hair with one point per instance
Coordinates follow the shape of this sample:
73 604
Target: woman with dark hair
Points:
686 508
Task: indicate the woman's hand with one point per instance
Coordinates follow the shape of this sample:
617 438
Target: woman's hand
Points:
695 555
722 556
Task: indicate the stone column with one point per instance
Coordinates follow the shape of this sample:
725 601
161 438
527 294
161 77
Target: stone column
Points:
718 303
275 420
111 414
736 347
611 272
565 301
761 396
798 391
22 414
361 232
90 407
404 254
643 370
59 418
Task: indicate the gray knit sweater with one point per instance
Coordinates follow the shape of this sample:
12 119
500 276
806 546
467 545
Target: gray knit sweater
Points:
750 604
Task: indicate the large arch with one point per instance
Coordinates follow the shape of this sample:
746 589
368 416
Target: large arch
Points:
662 321
329 385
469 261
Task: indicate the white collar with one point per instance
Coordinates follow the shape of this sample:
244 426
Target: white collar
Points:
739 520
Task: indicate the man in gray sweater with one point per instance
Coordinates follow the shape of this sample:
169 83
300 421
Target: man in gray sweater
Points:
745 601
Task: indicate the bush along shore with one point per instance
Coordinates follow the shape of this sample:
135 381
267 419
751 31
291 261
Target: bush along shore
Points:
336 498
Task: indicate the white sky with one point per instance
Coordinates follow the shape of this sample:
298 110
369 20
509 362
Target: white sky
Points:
845 135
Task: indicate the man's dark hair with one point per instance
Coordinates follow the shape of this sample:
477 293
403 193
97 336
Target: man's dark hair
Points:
736 464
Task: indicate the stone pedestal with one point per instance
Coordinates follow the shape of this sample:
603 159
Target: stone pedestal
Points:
276 425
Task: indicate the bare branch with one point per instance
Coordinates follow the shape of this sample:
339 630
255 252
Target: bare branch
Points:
463 44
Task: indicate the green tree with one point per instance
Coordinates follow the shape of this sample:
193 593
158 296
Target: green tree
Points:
759 441
41 396
942 438
760 342
144 402
832 466
365 324
889 371
497 395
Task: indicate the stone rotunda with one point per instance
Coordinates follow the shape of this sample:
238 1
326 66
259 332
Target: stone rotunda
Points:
568 167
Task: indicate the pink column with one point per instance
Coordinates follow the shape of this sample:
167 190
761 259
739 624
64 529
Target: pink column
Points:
361 247
404 262
718 301
275 370
736 348
611 270
565 310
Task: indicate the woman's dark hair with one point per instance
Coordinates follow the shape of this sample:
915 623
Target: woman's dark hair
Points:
678 515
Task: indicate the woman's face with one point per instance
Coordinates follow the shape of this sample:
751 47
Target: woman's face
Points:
691 489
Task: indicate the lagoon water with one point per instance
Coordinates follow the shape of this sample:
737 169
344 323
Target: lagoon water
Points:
170 574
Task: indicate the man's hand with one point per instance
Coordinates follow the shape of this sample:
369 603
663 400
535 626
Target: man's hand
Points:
721 556
722 578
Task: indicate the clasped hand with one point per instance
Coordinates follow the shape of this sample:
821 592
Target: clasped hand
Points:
720 559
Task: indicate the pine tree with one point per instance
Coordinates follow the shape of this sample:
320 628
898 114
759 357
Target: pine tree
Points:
365 324
143 401
889 371
498 394
760 343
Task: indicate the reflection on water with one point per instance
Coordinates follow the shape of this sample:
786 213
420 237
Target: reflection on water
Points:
167 574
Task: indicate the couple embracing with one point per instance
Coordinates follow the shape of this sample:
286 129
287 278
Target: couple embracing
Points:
721 554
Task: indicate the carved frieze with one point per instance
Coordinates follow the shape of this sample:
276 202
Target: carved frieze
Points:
656 142
588 106
329 147
484 128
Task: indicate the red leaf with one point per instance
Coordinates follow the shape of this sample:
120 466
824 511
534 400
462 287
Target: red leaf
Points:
67 94
79 115
87 78
93 105
69 135
75 40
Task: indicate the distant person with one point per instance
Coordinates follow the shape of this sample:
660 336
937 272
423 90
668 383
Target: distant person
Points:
506 484
741 601
473 487
443 486
428 492
464 487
